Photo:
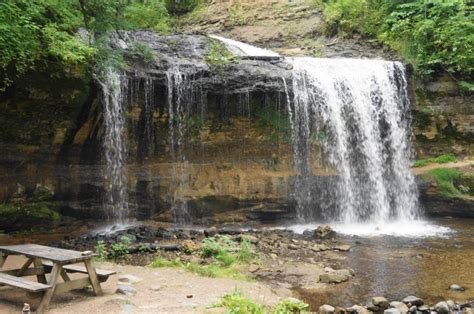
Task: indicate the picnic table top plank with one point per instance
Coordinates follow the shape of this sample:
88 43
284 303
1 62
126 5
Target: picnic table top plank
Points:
47 253
23 283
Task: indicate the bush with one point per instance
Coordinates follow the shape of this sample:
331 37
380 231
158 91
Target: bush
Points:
446 180
183 6
236 303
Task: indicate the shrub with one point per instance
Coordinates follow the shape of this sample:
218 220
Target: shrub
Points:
120 248
101 250
219 55
290 305
236 303
446 180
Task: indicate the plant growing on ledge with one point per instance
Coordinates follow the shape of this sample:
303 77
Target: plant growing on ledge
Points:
219 56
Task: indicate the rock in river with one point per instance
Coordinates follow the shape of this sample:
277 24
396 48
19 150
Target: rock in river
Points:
442 307
335 276
323 232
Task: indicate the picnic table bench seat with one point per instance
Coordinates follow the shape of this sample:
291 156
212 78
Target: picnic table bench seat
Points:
24 284
103 275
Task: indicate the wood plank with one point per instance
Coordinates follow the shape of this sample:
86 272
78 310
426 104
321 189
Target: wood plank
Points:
47 253
21 283
28 272
81 269
72 285
93 277
3 258
40 277
24 267
53 279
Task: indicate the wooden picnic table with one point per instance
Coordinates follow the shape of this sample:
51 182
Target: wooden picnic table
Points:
57 262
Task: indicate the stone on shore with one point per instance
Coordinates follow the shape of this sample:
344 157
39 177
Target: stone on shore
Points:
324 232
127 290
326 309
131 279
336 276
412 300
380 302
442 307
402 307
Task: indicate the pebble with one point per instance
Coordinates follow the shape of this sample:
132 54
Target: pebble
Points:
392 311
127 290
457 288
129 279
156 287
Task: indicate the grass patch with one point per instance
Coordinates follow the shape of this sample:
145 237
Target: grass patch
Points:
443 159
446 179
236 303
225 257
211 270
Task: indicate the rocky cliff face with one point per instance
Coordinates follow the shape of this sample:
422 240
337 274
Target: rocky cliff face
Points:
234 141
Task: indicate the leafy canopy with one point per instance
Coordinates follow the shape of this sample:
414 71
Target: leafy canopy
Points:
47 30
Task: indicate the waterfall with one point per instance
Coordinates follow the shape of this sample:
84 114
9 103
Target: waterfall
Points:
178 89
355 112
114 87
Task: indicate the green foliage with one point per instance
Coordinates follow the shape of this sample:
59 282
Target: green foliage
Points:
183 6
211 270
219 55
45 30
443 159
34 207
222 248
433 35
148 14
236 303
346 17
121 248
101 250
276 121
446 180
290 305
142 51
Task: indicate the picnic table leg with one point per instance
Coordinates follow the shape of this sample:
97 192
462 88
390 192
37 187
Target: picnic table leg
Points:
93 277
55 272
24 267
41 277
3 258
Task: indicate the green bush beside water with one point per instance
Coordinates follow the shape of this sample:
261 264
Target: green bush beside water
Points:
451 183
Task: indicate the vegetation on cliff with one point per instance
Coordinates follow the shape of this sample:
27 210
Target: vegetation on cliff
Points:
432 35
46 31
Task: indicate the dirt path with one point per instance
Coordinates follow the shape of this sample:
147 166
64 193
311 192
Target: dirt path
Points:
161 290
459 164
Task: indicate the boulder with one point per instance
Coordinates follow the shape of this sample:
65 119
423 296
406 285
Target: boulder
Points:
324 232
357 309
380 302
336 276
326 309
442 307
210 232
402 307
412 300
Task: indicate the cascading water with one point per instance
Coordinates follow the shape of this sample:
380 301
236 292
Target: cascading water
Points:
356 112
114 88
178 111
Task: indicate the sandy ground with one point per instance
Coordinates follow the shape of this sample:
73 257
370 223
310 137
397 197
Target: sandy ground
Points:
179 292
